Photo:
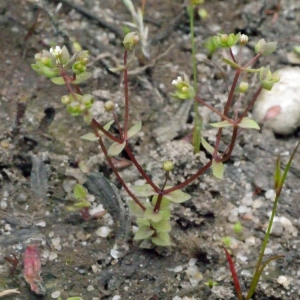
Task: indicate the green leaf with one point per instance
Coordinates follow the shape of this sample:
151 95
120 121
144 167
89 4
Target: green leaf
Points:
218 169
143 232
142 222
222 124
248 123
134 129
135 209
165 213
144 190
58 80
119 68
107 125
231 63
64 56
207 146
177 196
161 239
79 192
74 298
265 48
162 226
49 72
82 204
82 77
150 214
116 148
90 137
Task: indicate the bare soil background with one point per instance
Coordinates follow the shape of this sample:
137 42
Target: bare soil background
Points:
76 260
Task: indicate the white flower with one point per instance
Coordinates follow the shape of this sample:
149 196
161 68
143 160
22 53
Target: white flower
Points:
56 51
244 39
177 81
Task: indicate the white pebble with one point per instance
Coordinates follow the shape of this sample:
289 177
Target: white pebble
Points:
270 194
194 275
279 109
90 288
192 261
103 231
114 253
53 256
55 294
257 203
41 224
284 280
56 243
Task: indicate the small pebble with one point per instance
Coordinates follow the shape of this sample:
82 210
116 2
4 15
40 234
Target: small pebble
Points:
55 294
277 229
90 288
284 280
270 194
53 256
257 203
287 224
103 231
114 253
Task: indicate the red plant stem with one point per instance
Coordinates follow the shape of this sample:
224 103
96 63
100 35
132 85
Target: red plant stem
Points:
189 180
126 110
140 169
118 124
232 89
160 196
136 200
252 61
231 54
213 109
218 140
107 133
234 275
231 145
250 104
67 80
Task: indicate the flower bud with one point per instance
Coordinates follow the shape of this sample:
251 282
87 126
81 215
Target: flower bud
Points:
73 109
244 39
66 99
81 108
225 40
243 87
168 166
202 13
83 57
87 100
109 106
184 90
130 40
78 67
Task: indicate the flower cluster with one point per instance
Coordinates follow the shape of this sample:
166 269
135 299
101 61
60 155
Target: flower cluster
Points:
77 104
225 40
267 79
184 90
